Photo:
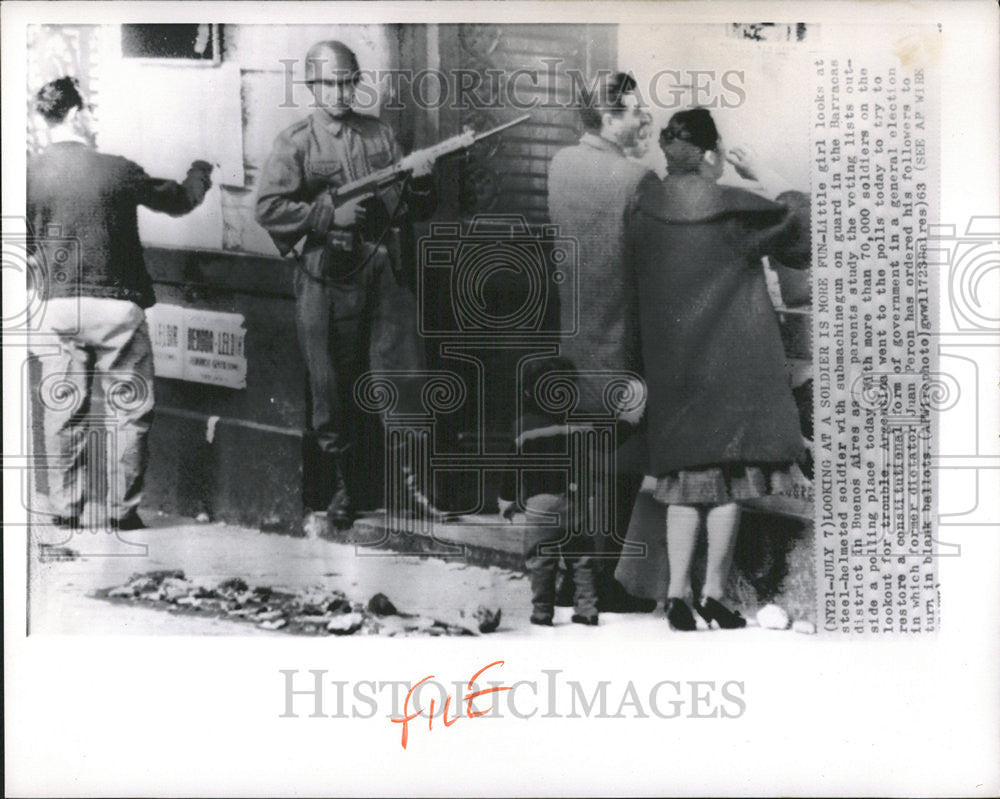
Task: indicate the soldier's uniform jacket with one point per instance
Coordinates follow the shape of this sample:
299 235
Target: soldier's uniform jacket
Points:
320 153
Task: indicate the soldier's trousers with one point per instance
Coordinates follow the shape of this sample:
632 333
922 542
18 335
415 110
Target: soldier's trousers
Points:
103 344
346 327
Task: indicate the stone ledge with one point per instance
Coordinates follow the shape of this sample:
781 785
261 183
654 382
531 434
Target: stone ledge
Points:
773 562
478 540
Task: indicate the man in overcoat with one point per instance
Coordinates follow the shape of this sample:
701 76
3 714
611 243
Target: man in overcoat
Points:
592 192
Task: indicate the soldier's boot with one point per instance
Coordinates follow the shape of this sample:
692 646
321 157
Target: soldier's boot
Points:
416 490
418 501
340 512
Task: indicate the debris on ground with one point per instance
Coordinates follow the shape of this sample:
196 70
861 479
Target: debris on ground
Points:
477 620
313 610
772 617
345 623
381 606
805 627
488 620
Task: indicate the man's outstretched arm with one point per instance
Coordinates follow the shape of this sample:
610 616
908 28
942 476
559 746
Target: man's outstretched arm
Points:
171 197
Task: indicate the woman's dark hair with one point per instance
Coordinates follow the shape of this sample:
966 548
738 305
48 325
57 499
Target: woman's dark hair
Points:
694 126
604 97
55 99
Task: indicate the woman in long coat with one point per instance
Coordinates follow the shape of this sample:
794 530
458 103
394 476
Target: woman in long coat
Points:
723 426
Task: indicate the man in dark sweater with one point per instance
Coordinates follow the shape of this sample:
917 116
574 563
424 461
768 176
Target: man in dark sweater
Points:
94 300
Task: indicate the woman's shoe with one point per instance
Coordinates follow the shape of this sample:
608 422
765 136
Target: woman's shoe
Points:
679 616
712 610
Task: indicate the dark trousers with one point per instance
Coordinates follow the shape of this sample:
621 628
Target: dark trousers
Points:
549 540
366 321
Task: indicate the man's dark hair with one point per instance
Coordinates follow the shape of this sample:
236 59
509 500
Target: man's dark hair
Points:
56 98
604 97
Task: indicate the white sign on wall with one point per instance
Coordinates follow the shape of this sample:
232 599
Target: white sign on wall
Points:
198 346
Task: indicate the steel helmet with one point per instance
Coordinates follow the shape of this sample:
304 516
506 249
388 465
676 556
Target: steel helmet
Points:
331 60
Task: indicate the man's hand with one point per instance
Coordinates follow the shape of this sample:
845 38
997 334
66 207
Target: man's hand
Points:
350 213
421 166
203 170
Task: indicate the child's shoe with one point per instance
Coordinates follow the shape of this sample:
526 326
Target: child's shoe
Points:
542 612
589 620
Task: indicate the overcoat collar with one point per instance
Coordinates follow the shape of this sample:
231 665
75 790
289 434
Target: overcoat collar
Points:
696 198
599 143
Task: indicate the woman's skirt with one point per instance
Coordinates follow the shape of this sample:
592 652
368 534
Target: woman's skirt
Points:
728 482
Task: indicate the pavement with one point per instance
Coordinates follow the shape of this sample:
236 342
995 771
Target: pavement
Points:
62 589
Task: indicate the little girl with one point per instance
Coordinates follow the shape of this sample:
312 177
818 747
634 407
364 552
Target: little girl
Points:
547 493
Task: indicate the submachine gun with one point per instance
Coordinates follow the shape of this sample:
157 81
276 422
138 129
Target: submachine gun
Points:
344 247
371 184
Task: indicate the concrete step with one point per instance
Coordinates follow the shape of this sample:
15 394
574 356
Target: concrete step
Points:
480 540
773 560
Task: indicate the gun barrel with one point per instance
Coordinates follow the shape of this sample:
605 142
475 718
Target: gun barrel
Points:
390 174
504 126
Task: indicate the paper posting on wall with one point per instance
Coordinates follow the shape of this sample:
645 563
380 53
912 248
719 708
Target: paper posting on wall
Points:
198 346
165 329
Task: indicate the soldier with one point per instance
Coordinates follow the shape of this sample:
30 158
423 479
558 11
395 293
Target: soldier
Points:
354 282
